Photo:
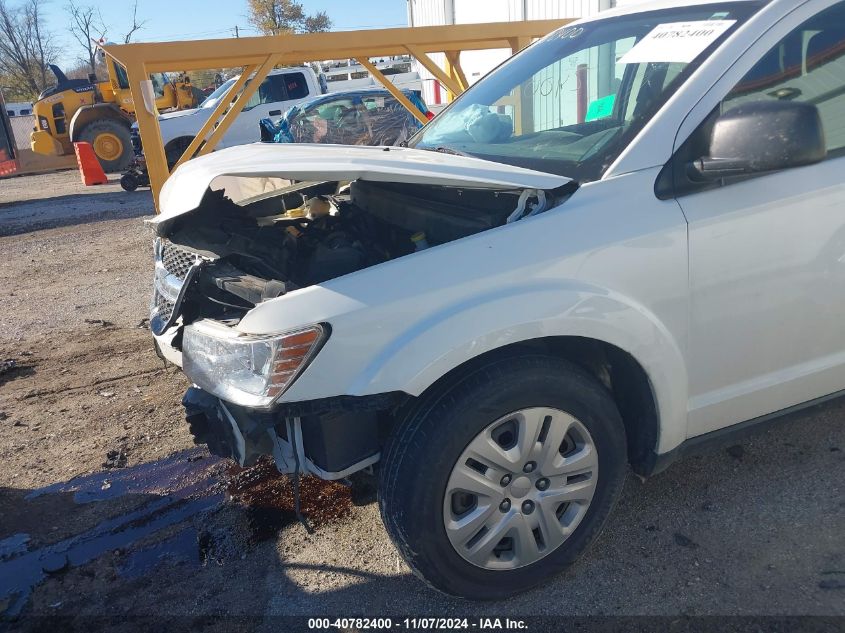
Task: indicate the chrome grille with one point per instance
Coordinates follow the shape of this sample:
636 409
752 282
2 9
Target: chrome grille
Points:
172 267
177 260
161 308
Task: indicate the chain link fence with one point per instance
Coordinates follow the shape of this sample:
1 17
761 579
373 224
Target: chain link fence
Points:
21 128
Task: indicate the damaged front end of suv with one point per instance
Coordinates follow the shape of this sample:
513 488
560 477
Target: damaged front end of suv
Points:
245 257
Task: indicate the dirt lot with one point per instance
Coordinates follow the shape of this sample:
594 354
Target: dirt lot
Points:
107 508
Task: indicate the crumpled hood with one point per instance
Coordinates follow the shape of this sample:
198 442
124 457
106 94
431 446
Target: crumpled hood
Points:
185 188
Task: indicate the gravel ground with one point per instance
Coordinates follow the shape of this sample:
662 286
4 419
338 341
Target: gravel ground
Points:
28 203
106 508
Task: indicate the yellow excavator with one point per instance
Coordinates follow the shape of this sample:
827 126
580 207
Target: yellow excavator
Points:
100 113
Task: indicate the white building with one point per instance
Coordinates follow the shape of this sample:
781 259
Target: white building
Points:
478 63
19 109
347 74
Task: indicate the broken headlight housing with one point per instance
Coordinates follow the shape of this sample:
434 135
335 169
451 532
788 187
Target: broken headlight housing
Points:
245 369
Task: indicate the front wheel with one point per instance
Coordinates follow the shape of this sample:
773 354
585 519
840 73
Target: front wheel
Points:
111 143
129 182
498 481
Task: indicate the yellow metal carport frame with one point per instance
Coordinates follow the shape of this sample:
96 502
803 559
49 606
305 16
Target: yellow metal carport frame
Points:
259 55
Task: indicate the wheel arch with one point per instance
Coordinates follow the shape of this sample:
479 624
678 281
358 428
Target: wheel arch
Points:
98 111
175 147
620 373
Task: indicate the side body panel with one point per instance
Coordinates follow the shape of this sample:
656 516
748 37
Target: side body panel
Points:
767 272
767 284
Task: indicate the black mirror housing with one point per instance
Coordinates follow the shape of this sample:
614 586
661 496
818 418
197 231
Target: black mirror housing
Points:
762 136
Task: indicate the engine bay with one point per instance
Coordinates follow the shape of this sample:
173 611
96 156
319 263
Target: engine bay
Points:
309 233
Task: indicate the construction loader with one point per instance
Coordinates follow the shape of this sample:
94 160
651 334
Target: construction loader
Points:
100 113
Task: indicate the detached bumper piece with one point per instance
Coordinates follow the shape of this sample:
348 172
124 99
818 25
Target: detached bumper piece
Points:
331 445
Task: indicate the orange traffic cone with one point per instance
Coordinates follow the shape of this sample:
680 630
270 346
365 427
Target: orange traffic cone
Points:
89 167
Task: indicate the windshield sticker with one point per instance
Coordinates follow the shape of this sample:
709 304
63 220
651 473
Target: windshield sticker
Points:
676 42
600 108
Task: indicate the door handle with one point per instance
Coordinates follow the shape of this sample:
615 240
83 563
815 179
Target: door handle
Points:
275 112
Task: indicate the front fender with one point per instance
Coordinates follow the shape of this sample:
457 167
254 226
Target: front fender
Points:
409 350
415 359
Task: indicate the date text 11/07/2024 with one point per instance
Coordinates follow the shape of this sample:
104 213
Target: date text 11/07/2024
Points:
436 624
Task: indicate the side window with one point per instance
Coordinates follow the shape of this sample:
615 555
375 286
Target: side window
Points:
296 87
122 77
807 66
271 90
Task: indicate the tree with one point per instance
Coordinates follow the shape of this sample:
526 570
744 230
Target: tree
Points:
25 49
86 25
274 17
136 26
318 23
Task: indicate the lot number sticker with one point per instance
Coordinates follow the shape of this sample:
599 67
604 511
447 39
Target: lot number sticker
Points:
676 42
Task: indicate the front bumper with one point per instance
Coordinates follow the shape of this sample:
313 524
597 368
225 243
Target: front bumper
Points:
330 445
164 346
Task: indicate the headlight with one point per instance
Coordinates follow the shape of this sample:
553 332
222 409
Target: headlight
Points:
248 370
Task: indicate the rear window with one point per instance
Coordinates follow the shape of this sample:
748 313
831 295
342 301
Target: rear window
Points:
296 86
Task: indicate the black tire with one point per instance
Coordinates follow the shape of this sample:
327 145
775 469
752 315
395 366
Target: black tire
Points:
128 182
435 429
115 130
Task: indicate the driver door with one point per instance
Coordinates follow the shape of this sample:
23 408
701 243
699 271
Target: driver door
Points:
767 252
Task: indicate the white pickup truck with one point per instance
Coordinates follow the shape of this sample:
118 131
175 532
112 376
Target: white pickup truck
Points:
623 244
281 89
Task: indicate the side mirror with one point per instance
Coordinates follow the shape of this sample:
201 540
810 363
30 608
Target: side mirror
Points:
759 137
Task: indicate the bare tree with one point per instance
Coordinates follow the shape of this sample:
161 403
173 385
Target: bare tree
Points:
86 25
25 48
136 26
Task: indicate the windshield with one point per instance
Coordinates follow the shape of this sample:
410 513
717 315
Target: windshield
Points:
212 99
159 80
571 103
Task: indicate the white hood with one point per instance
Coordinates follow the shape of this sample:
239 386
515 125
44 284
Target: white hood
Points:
184 190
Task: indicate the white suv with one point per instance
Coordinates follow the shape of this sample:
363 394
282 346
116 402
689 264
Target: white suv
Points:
626 242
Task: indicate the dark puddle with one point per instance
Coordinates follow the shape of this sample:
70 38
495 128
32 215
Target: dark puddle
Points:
13 545
171 491
267 498
163 495
183 474
181 549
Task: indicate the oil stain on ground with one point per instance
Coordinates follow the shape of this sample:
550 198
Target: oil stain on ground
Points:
153 513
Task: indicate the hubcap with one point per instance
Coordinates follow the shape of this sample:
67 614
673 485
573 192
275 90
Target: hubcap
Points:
108 146
545 460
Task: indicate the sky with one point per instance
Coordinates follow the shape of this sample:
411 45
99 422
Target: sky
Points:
206 19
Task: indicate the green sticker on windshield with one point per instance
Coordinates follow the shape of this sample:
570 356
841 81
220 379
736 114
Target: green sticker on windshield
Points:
601 108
